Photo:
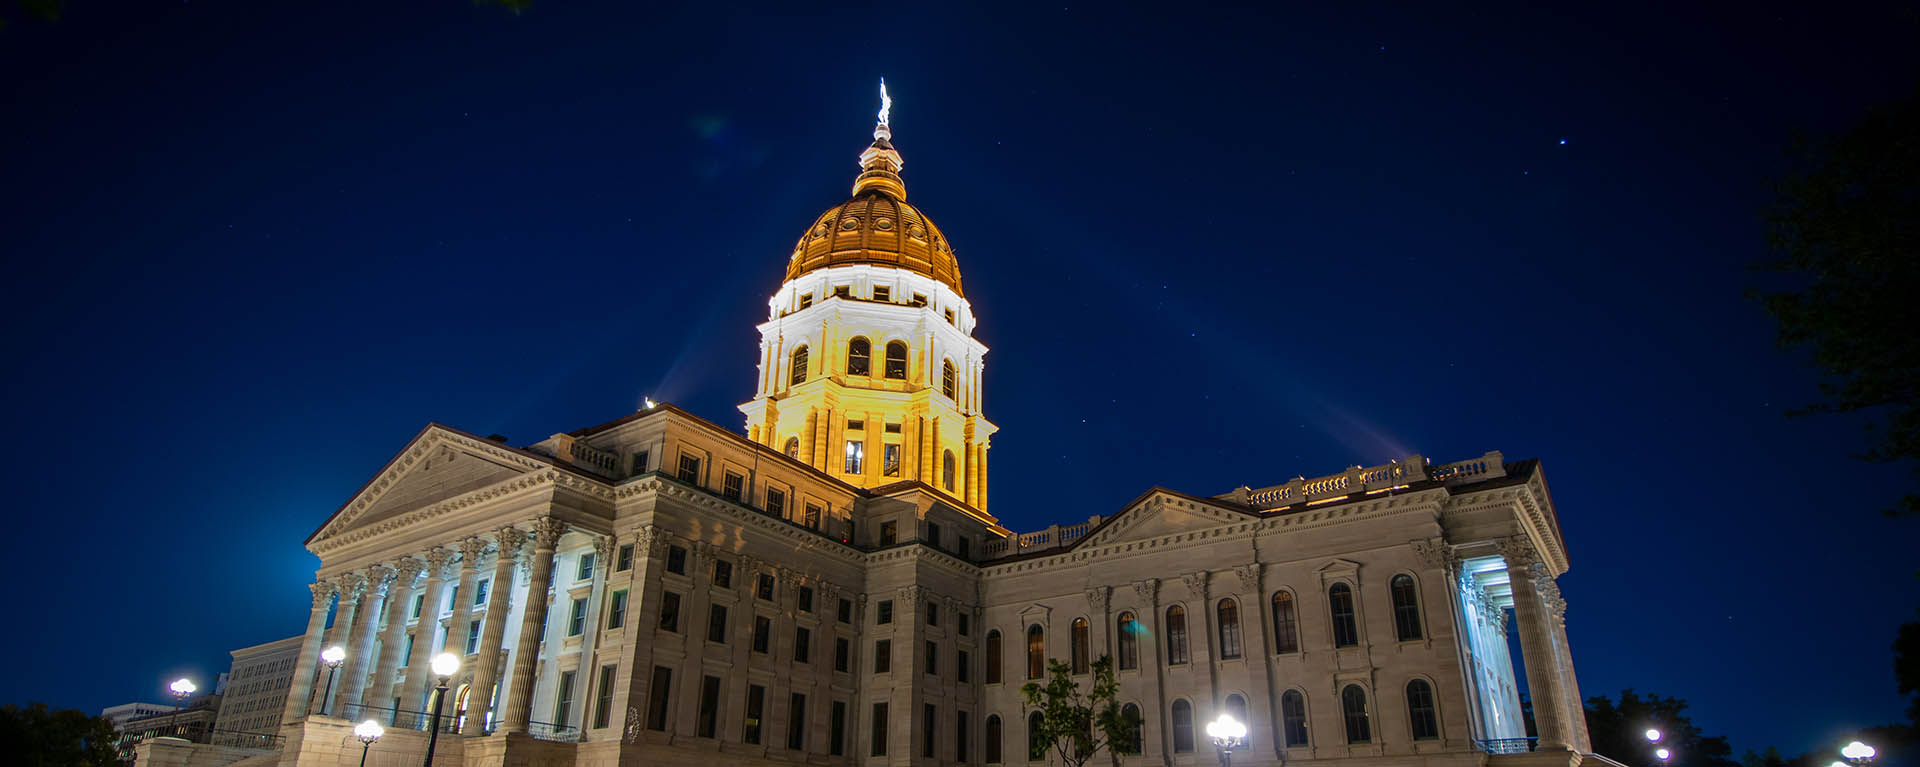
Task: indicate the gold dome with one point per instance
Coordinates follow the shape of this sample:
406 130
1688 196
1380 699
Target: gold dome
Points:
877 226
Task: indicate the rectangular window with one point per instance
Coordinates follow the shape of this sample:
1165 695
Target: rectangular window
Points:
689 469
812 519
756 708
676 560
949 316
929 730
806 300
577 617
717 624
918 300
480 593
890 460
882 293
889 533
846 611
762 633
856 450
730 486
563 699
960 736
805 599
964 544
843 291
763 588
777 503
837 746
659 698
802 646
933 658
933 535
624 561
669 612
878 726
407 653
960 667
473 637
617 610
723 573
856 426
882 656
419 602
797 722
933 613
603 704
841 650
639 463
884 615
585 571
965 623
709 721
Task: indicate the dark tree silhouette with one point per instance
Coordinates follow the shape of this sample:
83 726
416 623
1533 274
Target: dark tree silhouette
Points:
1618 731
37 736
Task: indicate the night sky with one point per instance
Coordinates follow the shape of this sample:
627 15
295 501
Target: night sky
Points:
253 247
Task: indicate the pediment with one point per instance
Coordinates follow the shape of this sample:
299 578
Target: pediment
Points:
1162 514
438 465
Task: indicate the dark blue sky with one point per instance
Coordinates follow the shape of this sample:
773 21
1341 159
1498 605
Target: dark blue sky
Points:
253 247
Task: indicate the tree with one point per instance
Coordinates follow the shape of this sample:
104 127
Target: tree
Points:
38 737
1618 731
1078 725
1906 668
1846 228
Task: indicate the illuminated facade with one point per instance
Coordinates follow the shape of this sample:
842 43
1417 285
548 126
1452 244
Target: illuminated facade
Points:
830 589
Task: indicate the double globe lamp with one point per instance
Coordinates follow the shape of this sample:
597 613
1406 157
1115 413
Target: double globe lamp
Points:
367 732
1855 753
445 665
1227 734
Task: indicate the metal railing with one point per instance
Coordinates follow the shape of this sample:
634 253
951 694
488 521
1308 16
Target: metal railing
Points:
1506 745
559 733
397 718
240 739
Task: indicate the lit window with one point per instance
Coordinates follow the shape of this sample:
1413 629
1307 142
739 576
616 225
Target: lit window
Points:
1036 652
890 460
856 450
946 470
896 360
859 357
949 379
799 374
1286 625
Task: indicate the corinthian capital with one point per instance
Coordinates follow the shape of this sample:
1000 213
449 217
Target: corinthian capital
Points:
437 559
1518 551
323 592
1097 598
547 532
1196 583
511 539
1434 554
351 585
472 548
1249 575
1148 590
405 569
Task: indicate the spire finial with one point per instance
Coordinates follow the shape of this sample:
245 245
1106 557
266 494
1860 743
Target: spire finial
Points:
880 164
886 104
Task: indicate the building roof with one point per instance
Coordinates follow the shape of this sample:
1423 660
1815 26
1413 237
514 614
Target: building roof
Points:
877 226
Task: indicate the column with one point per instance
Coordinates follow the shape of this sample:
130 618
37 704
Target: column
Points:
486 668
460 622
352 586
309 659
420 665
1536 645
379 692
353 676
546 537
982 504
1569 686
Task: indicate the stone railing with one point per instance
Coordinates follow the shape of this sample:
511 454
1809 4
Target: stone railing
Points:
1054 536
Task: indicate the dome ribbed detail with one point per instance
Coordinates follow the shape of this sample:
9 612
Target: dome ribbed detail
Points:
877 226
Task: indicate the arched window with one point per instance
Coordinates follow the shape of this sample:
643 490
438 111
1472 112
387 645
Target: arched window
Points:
1353 704
993 657
793 448
1182 727
459 705
799 374
1135 741
1286 624
859 357
1346 633
946 470
1129 641
1406 608
949 379
1036 652
1293 718
1036 749
1426 725
1176 635
1237 708
1080 658
897 360
993 739
1228 616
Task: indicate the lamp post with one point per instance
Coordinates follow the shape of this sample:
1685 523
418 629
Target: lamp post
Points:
368 732
181 688
332 657
1226 733
1857 752
444 666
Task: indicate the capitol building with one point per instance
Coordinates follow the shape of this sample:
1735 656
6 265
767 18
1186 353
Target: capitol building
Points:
828 586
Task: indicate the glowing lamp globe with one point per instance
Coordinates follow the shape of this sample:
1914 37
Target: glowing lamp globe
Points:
1663 754
1653 735
333 654
445 664
1226 727
369 731
1838 763
1857 750
182 686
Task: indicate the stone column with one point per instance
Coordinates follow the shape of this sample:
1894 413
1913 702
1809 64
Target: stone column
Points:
352 587
1569 685
379 692
420 665
1536 644
546 537
459 624
486 668
309 659
353 676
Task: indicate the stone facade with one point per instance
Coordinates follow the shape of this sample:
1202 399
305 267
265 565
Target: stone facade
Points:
257 685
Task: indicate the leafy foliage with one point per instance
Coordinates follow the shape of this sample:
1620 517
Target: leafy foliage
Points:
1906 668
1078 725
1618 731
38 737
1847 230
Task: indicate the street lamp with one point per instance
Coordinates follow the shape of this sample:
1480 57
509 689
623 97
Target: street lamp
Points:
368 732
181 688
444 665
1653 735
332 657
1663 754
1857 751
1226 733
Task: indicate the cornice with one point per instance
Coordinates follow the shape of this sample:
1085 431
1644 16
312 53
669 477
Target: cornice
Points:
494 492
803 538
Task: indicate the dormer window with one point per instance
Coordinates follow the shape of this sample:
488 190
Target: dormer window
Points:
882 293
843 291
949 316
919 299
806 300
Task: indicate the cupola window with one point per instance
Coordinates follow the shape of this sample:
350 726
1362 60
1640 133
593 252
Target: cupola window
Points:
882 293
949 379
799 374
859 357
897 360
